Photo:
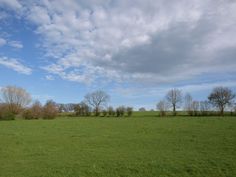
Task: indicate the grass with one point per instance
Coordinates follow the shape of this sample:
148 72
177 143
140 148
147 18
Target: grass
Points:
140 146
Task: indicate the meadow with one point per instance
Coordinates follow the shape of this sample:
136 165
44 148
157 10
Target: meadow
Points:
143 145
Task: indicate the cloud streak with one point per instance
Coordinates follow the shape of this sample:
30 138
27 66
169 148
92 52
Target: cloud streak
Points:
15 65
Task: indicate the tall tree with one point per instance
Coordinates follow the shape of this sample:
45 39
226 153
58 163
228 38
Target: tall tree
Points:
15 97
195 106
188 104
97 100
174 98
221 97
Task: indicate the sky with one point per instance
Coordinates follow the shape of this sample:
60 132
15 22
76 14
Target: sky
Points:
135 50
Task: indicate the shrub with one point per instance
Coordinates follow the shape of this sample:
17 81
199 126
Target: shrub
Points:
162 107
82 109
27 114
111 111
120 111
5 113
104 113
50 110
8 116
129 111
34 112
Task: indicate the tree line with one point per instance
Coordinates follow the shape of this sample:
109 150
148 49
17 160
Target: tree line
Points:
219 99
16 101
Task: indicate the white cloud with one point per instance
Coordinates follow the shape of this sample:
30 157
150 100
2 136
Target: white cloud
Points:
2 42
39 15
150 41
49 77
133 42
15 65
15 44
13 4
158 93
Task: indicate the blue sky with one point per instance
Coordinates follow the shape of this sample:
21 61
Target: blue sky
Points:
136 52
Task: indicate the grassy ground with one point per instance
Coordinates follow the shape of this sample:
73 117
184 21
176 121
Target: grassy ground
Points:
144 146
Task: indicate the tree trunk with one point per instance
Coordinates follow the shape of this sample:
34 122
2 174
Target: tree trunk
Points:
222 111
174 110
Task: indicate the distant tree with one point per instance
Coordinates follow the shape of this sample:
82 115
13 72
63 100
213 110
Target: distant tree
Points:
111 111
129 111
120 111
188 104
220 97
69 107
104 112
15 98
162 107
205 107
50 110
234 109
142 109
61 108
82 109
97 100
195 106
174 98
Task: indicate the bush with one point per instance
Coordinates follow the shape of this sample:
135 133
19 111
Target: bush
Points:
35 112
129 111
111 111
50 110
104 113
8 116
27 114
120 111
5 113
82 109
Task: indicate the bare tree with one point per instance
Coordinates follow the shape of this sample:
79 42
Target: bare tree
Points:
205 107
15 97
195 106
234 109
188 104
97 100
162 107
174 98
221 97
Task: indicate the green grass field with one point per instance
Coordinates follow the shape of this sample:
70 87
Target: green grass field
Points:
144 146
